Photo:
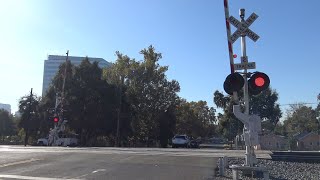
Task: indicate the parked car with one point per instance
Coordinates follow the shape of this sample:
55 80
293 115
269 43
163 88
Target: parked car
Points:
180 141
42 142
194 143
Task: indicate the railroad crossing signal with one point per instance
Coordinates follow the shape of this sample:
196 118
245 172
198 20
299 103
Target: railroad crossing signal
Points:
243 28
258 82
233 82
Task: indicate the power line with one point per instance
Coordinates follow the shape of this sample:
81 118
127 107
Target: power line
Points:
296 104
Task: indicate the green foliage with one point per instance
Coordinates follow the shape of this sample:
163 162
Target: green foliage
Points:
195 119
7 126
148 92
92 101
229 126
300 119
265 105
30 115
135 94
167 122
89 100
280 129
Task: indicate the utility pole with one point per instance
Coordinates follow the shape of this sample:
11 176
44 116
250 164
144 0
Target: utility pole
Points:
29 117
119 111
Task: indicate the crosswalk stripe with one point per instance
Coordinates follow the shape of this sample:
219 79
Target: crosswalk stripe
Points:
29 177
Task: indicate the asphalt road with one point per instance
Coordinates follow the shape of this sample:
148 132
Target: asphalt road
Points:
53 163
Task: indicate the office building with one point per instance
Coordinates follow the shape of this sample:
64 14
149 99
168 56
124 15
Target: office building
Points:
6 107
52 64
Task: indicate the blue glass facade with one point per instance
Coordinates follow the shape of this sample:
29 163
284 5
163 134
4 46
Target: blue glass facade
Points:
51 67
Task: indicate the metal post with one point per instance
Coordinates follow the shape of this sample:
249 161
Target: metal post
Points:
62 92
248 161
244 56
221 166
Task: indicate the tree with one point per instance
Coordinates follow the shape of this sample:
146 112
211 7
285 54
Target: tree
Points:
265 105
167 122
49 99
280 129
195 119
147 91
88 100
150 93
118 75
30 116
229 126
301 118
7 126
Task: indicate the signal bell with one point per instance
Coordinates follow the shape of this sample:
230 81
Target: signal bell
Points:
233 82
258 82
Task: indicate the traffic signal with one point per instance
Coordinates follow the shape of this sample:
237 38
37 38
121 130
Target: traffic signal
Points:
55 119
233 82
258 82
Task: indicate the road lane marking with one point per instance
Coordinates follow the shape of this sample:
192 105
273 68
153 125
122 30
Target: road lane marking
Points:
19 162
29 177
98 170
82 176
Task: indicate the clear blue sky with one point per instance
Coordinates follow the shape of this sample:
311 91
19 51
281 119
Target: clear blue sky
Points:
190 34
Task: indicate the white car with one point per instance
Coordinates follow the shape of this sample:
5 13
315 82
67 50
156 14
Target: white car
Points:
42 142
180 141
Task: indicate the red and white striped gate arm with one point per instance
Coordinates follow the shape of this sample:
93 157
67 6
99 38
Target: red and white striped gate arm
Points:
226 11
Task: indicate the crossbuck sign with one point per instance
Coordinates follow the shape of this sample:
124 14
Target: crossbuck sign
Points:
243 28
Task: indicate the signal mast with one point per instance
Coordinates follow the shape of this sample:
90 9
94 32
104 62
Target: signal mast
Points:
58 111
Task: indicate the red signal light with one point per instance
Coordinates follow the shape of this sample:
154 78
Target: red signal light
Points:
55 119
259 81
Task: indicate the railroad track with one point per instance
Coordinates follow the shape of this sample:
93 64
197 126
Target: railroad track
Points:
296 156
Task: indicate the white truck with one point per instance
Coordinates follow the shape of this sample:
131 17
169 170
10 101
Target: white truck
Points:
58 138
63 141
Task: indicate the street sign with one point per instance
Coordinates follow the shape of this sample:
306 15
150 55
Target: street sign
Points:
244 59
243 28
253 36
240 66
